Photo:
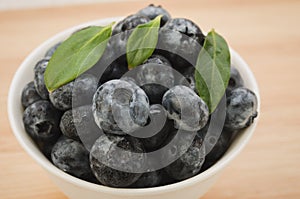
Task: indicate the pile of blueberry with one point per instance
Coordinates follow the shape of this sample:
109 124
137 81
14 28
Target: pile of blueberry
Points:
81 126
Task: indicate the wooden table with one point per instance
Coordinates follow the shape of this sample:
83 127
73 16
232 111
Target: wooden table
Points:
266 33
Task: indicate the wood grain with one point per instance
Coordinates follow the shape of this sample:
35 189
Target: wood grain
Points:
265 33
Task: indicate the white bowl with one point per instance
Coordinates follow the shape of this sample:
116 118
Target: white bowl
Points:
73 187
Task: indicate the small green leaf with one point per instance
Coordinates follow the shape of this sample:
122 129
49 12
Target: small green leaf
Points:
213 69
76 55
142 42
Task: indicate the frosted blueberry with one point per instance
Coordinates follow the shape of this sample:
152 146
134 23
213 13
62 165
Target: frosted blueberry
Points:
235 80
39 81
158 59
41 122
155 79
188 78
78 124
112 162
29 95
83 90
221 145
241 108
153 11
191 157
120 107
180 42
129 23
61 98
71 157
157 131
186 108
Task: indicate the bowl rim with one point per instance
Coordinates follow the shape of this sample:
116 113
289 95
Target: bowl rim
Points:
31 149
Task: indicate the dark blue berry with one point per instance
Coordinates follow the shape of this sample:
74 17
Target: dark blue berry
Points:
83 90
148 179
29 95
154 76
188 78
158 129
191 157
186 108
155 79
157 59
153 11
113 63
51 51
129 23
221 145
39 81
78 124
115 70
109 164
241 108
235 80
71 157
180 41
120 107
166 179
61 98
41 122
187 27
152 178
115 55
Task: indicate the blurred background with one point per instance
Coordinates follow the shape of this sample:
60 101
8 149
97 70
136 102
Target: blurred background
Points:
22 4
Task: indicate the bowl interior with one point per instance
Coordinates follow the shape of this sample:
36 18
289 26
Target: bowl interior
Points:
25 74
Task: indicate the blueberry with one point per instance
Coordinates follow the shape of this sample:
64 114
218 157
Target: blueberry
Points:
41 122
120 107
148 179
67 125
109 164
113 63
39 82
241 108
191 158
187 27
235 80
129 23
51 51
116 47
71 157
155 79
186 108
188 78
61 98
154 92
180 41
115 70
78 124
153 11
166 179
83 90
29 95
152 176
157 59
155 133
221 145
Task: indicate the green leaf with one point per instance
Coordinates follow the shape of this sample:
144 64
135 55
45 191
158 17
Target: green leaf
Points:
213 69
76 55
142 42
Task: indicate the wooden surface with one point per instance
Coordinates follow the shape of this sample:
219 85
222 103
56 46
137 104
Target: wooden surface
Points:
265 33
